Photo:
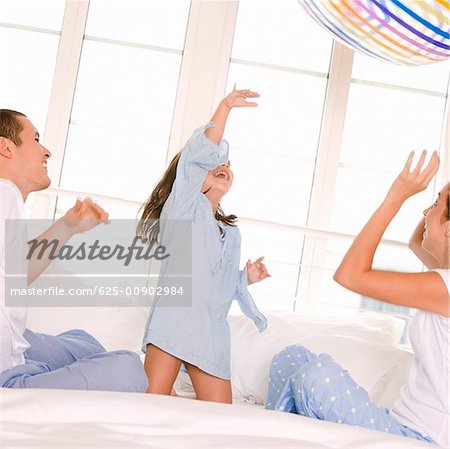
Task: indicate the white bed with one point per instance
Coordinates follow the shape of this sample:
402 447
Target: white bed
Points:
364 343
60 419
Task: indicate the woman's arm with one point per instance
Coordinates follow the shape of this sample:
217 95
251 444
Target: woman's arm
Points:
425 291
236 99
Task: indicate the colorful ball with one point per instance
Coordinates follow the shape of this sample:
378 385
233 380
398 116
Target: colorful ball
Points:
405 32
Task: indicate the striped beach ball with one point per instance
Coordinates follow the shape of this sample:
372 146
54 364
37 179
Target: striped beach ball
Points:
405 32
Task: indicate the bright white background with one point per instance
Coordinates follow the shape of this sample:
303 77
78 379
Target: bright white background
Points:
117 86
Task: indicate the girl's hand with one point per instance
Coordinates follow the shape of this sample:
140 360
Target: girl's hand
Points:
84 216
256 271
408 182
238 98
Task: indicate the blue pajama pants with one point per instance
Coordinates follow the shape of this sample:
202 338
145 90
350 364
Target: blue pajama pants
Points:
75 360
316 386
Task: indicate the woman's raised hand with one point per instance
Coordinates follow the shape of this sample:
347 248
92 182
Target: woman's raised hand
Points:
413 180
238 98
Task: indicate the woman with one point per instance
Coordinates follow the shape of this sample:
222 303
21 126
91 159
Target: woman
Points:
315 386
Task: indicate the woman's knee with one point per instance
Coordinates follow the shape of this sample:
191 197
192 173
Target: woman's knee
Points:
317 377
294 356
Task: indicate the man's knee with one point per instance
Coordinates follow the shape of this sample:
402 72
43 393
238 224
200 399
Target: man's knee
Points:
76 333
129 368
80 336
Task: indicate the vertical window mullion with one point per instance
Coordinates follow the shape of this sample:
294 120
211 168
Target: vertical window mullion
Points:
61 99
444 175
325 173
204 67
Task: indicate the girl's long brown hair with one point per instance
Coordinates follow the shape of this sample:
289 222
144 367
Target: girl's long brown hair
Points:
148 226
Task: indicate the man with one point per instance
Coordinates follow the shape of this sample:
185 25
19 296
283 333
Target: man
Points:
74 359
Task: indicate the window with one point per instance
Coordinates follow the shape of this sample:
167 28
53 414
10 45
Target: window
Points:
278 51
124 97
389 111
29 39
118 86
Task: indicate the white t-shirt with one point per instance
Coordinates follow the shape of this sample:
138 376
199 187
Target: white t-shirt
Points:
424 402
13 319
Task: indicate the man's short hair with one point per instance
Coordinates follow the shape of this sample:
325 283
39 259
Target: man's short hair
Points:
10 126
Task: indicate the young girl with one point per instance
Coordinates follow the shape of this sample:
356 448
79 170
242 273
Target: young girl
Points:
315 386
198 335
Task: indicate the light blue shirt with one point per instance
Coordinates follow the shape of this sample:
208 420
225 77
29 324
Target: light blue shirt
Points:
199 334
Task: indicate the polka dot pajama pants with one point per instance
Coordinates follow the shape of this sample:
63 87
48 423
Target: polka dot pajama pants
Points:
316 386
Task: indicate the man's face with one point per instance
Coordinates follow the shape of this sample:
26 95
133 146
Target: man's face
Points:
31 159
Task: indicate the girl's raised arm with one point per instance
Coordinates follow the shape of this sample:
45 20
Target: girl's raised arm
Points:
426 291
236 99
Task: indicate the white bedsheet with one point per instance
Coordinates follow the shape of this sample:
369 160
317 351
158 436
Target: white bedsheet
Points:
88 419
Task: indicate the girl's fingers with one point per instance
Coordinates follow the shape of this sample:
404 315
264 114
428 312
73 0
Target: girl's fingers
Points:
247 93
261 270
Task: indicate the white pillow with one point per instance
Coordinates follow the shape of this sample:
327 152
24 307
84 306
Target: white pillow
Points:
378 368
370 326
387 389
348 340
123 327
115 327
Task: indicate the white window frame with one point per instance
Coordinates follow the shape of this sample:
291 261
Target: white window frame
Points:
202 84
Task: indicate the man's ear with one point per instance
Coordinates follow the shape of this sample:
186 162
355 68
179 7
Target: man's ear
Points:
5 148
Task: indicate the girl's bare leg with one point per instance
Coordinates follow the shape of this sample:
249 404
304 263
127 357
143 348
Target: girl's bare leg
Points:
208 387
161 369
